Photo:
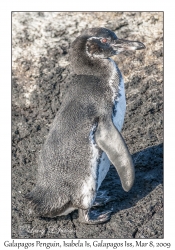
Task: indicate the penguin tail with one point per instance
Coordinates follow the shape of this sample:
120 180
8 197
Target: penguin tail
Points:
45 203
36 200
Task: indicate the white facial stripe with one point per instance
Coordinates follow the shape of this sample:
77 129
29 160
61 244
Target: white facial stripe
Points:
94 37
87 52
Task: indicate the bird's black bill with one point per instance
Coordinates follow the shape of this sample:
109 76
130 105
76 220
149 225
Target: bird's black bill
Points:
121 45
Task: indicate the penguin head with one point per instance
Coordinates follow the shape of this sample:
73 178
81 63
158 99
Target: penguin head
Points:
95 44
103 43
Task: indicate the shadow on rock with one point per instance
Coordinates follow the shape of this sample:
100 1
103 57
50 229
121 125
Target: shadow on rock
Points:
148 175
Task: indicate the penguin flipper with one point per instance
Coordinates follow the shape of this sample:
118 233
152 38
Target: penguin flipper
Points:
109 139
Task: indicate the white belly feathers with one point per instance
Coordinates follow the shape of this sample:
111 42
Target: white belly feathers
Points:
100 167
118 114
119 107
118 97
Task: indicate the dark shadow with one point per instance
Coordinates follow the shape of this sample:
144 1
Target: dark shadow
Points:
148 175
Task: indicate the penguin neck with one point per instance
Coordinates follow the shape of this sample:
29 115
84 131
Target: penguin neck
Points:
83 64
115 80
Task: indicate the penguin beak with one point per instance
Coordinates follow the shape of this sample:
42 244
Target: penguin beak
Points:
120 45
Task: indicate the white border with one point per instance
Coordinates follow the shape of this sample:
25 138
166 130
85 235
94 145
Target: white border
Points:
5 95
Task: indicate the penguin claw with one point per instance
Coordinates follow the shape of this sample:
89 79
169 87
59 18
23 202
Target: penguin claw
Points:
104 216
94 217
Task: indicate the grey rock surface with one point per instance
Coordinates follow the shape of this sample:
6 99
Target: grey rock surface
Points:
40 78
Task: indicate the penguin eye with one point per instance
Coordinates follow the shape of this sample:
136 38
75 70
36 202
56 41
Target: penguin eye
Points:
104 40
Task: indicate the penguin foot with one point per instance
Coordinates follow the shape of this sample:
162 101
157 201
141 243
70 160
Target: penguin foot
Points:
93 217
102 199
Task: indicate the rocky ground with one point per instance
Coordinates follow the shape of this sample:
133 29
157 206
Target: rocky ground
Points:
40 69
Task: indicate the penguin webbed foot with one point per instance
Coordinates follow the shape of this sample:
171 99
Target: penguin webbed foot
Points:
102 198
93 217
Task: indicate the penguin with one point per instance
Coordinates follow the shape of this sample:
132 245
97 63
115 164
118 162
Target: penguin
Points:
85 136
